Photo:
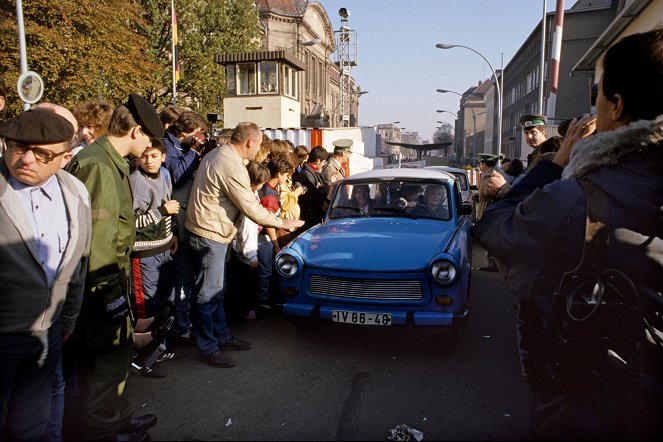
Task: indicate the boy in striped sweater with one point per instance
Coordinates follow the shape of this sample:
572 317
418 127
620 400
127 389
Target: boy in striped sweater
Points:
151 262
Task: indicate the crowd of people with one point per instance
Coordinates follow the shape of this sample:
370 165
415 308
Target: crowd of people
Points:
123 221
121 225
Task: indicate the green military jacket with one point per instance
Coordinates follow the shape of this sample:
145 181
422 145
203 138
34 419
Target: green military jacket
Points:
105 174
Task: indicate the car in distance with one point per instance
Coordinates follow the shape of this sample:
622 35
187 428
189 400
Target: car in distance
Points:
393 249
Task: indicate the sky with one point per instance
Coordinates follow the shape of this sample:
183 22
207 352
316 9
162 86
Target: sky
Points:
400 67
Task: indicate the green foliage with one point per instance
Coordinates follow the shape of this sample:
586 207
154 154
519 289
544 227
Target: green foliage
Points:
82 50
207 28
107 49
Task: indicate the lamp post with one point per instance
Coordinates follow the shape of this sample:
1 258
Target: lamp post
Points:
444 91
441 111
497 85
313 42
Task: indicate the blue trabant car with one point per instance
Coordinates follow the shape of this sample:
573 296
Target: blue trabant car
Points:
393 249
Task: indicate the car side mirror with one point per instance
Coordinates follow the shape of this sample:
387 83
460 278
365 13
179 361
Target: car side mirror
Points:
465 208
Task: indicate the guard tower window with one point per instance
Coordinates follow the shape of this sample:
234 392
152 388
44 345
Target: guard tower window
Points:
246 78
230 80
289 81
268 77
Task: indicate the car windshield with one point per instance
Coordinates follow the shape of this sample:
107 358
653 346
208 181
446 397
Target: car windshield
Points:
394 198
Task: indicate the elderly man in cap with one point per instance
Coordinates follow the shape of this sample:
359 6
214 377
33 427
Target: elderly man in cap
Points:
333 169
45 234
534 132
104 328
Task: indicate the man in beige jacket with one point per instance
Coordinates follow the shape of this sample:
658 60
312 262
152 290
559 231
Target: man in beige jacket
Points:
221 192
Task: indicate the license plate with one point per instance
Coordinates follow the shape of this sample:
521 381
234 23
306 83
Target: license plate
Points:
361 318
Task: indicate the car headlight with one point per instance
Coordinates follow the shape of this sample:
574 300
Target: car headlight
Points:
444 272
287 265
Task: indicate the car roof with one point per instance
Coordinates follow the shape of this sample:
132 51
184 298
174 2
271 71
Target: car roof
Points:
446 169
402 173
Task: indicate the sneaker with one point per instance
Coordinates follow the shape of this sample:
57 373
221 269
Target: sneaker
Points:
171 356
217 359
235 345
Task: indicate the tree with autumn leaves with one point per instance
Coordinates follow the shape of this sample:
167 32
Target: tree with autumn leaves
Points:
110 48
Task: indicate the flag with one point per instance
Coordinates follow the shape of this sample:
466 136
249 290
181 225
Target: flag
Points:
176 57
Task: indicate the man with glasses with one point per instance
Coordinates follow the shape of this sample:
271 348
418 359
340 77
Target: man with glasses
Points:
104 328
45 232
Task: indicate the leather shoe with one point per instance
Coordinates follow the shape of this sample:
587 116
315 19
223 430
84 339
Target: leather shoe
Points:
235 345
489 268
140 436
140 424
217 359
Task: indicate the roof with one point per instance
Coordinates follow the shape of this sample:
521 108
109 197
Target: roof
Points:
287 56
586 64
403 173
294 8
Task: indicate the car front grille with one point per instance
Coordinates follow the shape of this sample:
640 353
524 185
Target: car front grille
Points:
386 289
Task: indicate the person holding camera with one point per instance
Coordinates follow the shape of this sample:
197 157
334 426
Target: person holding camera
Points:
578 240
184 148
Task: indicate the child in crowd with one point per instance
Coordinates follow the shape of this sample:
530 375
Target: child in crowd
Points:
243 287
280 169
151 262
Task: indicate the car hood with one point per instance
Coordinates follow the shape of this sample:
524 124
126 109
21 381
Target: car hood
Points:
378 245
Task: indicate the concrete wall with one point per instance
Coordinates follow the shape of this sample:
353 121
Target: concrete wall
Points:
275 111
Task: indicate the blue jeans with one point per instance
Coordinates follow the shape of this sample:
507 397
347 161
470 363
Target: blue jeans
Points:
27 370
208 259
183 284
265 261
57 405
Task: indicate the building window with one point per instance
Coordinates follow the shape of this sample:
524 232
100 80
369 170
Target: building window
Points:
246 78
314 78
230 80
268 78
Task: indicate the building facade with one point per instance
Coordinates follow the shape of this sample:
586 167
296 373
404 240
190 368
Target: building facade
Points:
292 81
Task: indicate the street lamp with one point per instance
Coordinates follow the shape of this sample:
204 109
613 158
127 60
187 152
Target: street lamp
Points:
313 42
497 85
441 111
444 91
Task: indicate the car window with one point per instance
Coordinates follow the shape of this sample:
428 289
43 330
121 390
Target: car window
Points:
393 198
461 177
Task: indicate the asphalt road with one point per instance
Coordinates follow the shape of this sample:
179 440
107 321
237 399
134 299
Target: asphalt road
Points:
325 381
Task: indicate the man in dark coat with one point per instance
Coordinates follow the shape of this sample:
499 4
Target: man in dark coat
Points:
312 200
610 388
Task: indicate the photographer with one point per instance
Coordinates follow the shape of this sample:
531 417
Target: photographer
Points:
184 141
589 222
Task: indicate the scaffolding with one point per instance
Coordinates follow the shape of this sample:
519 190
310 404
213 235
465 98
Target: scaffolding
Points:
346 58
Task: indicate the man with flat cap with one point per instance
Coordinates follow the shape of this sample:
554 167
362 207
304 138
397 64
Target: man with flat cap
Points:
45 240
488 166
333 170
534 131
104 327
